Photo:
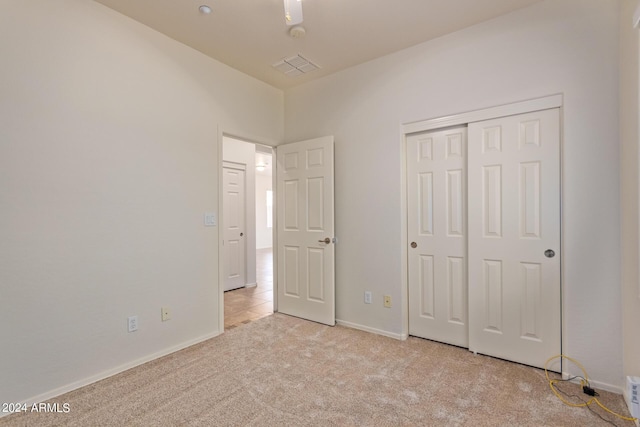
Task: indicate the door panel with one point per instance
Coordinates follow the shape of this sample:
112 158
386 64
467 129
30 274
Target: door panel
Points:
290 208
306 271
290 274
437 221
514 195
234 226
457 286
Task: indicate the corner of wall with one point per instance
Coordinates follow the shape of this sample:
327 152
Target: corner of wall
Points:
629 108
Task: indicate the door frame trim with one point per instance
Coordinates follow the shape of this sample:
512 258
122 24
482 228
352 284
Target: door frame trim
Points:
528 106
406 129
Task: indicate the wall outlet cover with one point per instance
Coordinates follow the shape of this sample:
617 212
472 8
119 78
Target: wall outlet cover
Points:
132 323
387 301
367 297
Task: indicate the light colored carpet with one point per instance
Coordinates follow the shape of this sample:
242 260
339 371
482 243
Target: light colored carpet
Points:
283 371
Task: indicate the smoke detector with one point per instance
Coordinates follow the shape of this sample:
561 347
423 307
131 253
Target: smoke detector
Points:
297 32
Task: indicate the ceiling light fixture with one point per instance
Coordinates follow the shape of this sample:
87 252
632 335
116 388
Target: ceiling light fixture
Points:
293 12
204 9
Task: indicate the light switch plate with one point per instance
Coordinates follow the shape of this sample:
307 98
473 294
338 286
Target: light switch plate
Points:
210 219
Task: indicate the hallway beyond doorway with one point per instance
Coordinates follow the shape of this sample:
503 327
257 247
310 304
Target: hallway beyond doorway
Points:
247 304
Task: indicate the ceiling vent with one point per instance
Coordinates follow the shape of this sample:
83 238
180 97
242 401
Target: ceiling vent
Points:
295 65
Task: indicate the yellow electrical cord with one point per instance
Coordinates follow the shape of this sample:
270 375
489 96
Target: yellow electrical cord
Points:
583 382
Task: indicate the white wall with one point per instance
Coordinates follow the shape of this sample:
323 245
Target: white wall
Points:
557 46
108 161
236 151
264 235
629 134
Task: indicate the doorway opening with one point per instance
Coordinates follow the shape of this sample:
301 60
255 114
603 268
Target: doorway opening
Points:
247 204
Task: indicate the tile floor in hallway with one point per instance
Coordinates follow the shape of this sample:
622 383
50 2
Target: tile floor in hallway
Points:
246 304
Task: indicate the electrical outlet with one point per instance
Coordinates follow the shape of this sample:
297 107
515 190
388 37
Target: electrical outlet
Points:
132 323
165 314
367 297
387 301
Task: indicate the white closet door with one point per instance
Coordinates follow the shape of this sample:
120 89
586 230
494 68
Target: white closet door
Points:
436 182
514 232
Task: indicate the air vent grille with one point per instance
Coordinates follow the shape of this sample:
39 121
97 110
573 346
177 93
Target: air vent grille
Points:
295 65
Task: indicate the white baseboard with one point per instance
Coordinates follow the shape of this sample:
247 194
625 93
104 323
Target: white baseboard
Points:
110 372
251 285
597 384
351 325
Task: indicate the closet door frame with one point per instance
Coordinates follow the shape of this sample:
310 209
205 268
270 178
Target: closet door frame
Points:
527 106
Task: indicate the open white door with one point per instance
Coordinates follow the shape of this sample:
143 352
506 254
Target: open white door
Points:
305 212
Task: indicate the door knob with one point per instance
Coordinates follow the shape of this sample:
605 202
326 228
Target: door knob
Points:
414 245
325 240
241 234
549 253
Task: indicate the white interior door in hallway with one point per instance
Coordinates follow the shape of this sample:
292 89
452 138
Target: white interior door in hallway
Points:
485 269
305 243
234 227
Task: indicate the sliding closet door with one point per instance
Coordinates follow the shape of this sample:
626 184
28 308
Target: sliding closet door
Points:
436 182
514 237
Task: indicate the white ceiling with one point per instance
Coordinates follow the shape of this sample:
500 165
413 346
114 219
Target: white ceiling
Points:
251 35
